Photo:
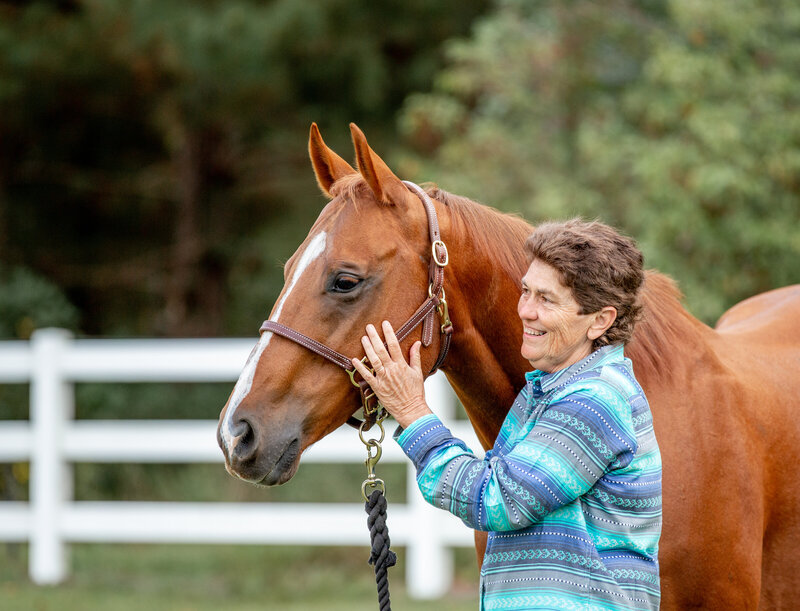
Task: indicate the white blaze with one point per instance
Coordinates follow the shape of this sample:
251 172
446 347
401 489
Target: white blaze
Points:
245 382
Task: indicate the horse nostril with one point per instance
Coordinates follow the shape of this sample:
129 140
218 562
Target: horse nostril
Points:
244 441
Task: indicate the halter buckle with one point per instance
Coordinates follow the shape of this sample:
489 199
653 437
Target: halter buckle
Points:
352 372
436 254
369 407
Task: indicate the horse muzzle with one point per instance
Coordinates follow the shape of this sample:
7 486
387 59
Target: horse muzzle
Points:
257 458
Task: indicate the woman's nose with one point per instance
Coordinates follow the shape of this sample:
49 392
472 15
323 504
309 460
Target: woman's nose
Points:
528 310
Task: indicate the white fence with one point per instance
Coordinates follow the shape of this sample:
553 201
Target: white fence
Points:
52 362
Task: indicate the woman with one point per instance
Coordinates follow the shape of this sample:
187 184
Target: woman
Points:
571 491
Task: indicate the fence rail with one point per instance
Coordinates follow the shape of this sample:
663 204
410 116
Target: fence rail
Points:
51 440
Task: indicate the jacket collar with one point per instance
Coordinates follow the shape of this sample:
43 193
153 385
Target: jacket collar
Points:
597 359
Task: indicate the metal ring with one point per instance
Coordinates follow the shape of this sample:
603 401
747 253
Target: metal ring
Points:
436 255
368 442
430 291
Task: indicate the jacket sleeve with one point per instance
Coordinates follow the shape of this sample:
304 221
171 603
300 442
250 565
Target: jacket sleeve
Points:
576 440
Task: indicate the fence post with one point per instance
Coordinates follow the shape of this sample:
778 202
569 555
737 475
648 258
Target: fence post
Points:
52 404
429 568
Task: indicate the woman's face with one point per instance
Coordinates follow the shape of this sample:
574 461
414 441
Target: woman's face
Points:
554 334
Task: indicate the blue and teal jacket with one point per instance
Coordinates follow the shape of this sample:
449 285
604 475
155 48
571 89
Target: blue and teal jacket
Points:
570 493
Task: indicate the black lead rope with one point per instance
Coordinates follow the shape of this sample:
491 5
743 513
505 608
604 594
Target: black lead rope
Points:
381 557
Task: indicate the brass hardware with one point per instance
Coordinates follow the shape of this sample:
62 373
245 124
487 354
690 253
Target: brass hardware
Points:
436 255
374 453
368 411
373 442
352 373
430 291
375 483
444 313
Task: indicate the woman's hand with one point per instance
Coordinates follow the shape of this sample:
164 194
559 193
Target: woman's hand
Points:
398 384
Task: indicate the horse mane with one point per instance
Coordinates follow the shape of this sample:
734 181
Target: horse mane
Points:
665 325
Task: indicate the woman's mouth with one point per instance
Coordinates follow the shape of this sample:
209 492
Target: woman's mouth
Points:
533 332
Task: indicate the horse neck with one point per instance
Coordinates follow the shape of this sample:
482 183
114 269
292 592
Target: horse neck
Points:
484 366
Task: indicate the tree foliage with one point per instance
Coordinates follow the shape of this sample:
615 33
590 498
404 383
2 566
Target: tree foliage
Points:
28 302
145 145
678 122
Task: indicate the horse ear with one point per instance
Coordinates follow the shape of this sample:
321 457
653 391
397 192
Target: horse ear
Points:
387 187
328 166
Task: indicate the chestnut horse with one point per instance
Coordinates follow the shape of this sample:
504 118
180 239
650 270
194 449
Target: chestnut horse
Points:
723 399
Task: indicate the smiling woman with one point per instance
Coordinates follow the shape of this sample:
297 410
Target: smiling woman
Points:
600 266
571 491
580 292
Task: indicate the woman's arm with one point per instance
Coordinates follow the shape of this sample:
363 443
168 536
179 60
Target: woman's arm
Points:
576 440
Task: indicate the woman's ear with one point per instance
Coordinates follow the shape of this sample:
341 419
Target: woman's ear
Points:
601 321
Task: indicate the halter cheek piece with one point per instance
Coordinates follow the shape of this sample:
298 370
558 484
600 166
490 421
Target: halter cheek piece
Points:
424 315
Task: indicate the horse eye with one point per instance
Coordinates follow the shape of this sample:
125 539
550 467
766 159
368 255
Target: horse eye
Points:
345 283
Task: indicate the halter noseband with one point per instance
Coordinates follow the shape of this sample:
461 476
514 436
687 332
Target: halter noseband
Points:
424 315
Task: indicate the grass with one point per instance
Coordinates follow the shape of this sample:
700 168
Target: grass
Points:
236 578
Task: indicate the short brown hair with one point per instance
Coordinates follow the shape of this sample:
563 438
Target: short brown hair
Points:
599 265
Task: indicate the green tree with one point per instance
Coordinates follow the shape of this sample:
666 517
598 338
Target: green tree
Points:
145 144
28 302
678 122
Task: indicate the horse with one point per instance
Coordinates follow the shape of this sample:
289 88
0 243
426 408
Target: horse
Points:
722 398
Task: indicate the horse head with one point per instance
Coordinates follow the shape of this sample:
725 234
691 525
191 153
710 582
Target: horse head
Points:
365 259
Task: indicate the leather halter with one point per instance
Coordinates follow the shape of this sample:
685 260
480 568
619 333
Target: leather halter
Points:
424 315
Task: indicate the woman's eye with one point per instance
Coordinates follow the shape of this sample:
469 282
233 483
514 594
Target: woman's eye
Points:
345 283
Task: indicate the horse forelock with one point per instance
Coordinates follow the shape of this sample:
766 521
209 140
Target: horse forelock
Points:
351 187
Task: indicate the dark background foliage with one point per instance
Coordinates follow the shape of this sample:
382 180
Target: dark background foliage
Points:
153 161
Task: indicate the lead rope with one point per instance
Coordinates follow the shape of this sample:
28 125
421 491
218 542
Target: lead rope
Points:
381 557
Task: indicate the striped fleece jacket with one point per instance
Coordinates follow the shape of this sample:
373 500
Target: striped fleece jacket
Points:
570 493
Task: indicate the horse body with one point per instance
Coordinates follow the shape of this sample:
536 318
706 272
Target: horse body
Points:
759 343
721 398
713 458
